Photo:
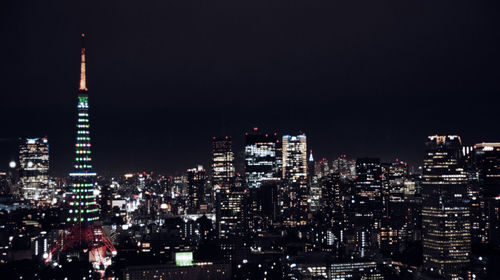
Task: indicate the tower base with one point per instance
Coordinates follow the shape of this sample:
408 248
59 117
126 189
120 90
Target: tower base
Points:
80 241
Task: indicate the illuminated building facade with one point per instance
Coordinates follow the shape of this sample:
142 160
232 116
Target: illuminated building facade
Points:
322 168
446 235
333 194
294 158
294 194
223 171
345 167
231 213
367 206
34 168
394 177
231 220
484 193
394 222
260 167
260 157
196 189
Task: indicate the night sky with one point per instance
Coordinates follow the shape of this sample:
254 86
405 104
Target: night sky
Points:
363 78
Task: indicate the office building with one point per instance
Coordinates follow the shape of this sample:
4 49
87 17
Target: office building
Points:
294 158
484 193
446 235
196 178
260 157
366 207
295 190
34 169
223 171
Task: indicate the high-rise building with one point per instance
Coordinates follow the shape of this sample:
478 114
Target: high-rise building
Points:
333 194
34 167
260 157
232 213
196 189
223 171
394 177
484 192
294 158
394 223
294 193
231 220
367 206
446 225
345 167
322 168
260 167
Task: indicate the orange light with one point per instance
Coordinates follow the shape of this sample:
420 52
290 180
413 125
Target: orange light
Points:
83 78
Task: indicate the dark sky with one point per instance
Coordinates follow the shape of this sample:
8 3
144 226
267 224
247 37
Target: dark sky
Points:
365 78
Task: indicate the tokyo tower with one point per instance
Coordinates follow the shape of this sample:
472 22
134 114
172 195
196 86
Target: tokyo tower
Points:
83 235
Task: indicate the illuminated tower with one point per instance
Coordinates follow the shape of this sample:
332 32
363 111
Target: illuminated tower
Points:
83 205
83 236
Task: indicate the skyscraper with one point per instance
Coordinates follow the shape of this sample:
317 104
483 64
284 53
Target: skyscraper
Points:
34 167
260 157
394 222
196 189
294 158
367 207
294 192
231 220
260 169
446 227
223 171
345 167
484 193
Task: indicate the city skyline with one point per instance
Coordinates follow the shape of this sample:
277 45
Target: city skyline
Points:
326 79
302 141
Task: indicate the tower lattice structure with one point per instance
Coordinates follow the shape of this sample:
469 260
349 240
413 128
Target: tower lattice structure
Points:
83 233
